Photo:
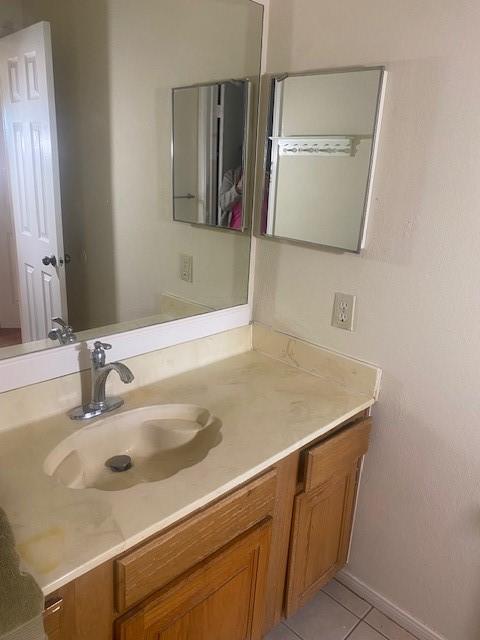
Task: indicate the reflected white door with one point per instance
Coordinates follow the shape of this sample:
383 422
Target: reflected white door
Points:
9 311
28 105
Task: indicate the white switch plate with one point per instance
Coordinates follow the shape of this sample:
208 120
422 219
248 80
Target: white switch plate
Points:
343 311
186 268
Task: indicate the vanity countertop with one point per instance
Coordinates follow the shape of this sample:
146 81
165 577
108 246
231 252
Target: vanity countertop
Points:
268 409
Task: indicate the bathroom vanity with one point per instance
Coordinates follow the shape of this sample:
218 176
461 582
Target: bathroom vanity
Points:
245 524
235 529
232 568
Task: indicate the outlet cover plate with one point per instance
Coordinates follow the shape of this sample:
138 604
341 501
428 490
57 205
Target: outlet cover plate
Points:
186 268
344 311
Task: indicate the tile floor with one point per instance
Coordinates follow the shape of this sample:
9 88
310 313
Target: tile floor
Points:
336 613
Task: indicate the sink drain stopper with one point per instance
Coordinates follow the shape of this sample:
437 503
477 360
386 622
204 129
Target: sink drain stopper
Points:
119 463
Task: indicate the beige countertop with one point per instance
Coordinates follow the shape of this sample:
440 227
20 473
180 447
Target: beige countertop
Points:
268 409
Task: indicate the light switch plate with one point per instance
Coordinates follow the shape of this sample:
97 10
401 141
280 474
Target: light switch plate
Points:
344 311
186 268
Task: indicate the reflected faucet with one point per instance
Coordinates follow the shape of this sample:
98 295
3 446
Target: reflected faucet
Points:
99 403
64 334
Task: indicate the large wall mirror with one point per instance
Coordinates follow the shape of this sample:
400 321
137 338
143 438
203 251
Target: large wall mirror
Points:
87 226
322 137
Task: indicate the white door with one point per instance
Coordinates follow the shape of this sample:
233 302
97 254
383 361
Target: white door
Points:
9 311
28 105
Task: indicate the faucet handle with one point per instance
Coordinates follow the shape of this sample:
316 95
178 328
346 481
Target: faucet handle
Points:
61 322
98 353
102 345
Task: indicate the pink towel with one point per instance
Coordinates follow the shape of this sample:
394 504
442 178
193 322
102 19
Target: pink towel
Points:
236 219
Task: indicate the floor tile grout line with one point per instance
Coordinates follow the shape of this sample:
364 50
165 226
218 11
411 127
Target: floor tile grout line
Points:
357 596
359 621
292 630
369 611
349 610
359 618
352 630
377 630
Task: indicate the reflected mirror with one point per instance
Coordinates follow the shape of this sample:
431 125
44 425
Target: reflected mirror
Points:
87 231
210 131
322 137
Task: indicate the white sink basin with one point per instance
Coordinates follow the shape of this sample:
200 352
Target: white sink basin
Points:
160 440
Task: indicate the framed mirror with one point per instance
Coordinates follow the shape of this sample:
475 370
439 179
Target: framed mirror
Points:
210 172
320 156
87 229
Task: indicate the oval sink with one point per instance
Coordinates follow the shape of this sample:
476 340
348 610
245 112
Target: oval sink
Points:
159 440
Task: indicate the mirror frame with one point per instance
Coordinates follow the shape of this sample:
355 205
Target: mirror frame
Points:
271 80
40 366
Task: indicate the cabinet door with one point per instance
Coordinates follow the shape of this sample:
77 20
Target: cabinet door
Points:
323 514
221 599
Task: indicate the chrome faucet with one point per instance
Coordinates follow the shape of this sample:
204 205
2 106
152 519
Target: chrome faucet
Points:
99 403
64 334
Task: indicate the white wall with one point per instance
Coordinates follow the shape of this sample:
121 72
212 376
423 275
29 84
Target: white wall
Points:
175 43
417 536
11 17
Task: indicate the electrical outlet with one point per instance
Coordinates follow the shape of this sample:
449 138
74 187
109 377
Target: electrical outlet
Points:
186 268
343 311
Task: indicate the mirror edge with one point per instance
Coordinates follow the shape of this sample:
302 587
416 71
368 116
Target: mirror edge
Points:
267 84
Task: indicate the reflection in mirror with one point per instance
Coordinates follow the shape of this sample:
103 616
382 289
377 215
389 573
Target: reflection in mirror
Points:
320 156
210 128
87 233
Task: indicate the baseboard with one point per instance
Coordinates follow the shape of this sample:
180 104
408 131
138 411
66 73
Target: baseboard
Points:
391 610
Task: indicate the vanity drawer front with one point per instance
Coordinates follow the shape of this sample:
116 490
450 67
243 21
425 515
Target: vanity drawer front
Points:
155 564
53 618
335 453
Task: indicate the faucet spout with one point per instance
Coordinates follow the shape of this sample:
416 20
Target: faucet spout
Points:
99 403
101 375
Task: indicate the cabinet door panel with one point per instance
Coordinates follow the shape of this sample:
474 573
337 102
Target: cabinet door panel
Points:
325 515
221 599
321 530
222 615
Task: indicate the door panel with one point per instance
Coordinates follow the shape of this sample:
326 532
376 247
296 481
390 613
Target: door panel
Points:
221 599
326 514
323 513
28 105
222 615
321 533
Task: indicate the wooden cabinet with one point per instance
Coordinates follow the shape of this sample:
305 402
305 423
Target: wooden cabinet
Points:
221 599
323 513
231 570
